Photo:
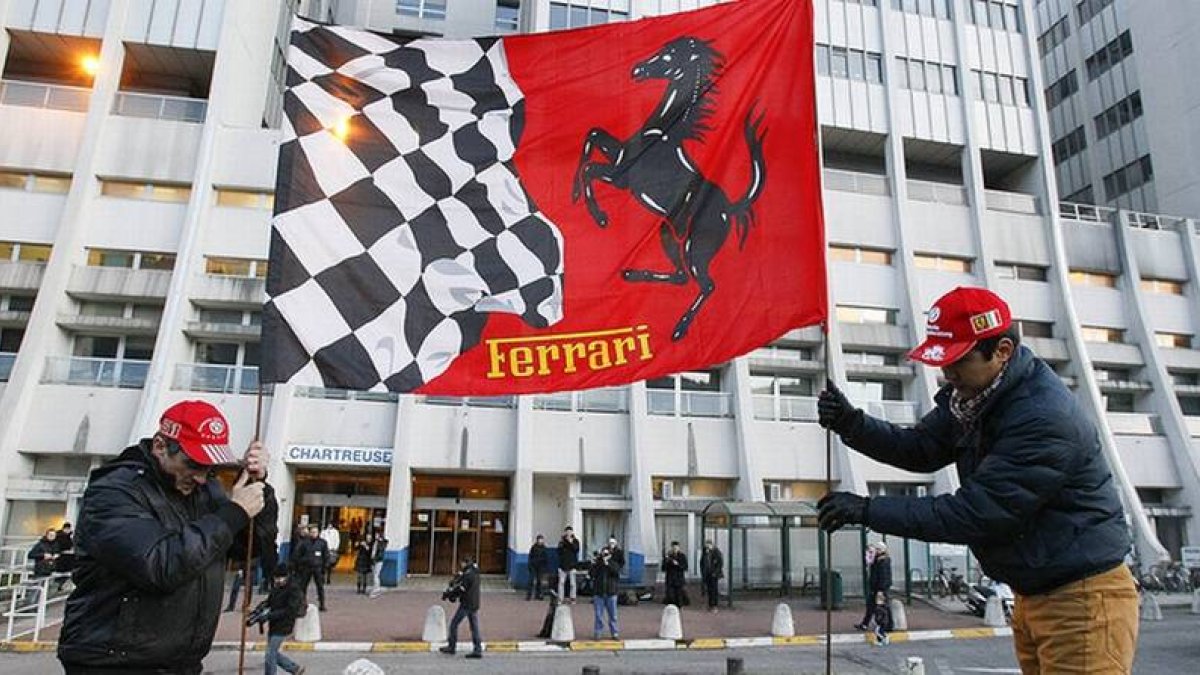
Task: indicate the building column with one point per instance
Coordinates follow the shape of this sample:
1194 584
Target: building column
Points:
750 478
520 500
279 473
399 510
642 540
42 335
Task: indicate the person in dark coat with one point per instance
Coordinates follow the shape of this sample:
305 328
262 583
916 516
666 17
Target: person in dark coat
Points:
538 562
675 565
43 554
712 569
312 561
1037 503
380 548
617 552
154 532
364 560
64 545
464 589
879 588
568 558
285 602
606 578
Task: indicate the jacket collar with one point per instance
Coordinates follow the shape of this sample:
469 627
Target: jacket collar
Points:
1019 369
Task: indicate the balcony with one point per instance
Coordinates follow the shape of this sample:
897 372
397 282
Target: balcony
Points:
90 323
785 408
217 379
903 413
24 276
1085 213
6 365
689 403
853 181
118 283
210 290
346 394
471 401
159 107
1012 202
205 330
38 95
93 372
938 193
605 400
1134 424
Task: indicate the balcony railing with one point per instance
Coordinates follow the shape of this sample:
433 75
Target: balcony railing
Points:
38 95
471 401
92 372
221 379
346 394
785 408
605 400
854 181
1155 221
1084 212
1134 424
939 193
903 413
1013 202
159 107
6 365
689 403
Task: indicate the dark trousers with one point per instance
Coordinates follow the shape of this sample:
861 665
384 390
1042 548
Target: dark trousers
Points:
535 583
676 595
472 617
317 576
234 589
364 581
710 590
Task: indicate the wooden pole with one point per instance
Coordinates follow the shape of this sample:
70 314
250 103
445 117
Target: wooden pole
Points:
247 581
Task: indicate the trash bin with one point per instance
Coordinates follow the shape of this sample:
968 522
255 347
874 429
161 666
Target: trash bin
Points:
831 580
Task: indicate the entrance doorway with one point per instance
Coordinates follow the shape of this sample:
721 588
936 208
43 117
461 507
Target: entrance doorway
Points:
457 516
353 501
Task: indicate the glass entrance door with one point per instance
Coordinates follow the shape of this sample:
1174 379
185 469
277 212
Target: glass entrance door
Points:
439 538
420 541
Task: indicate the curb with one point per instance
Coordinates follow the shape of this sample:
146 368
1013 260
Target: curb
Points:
542 646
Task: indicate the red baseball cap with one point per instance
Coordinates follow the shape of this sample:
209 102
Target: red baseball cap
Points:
201 430
958 321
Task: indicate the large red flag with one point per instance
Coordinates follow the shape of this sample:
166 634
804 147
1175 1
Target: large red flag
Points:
546 212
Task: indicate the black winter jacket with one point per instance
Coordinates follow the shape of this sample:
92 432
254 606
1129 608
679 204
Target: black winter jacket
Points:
538 557
880 577
285 602
469 580
363 561
712 564
606 577
675 565
1037 502
42 567
568 553
150 567
314 555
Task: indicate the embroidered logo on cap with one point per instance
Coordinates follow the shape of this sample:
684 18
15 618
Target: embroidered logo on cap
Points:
934 314
934 353
981 323
169 428
213 426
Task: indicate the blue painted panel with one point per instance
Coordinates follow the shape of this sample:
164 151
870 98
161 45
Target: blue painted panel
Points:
395 567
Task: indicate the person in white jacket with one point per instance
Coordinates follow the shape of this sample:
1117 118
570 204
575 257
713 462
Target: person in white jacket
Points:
333 539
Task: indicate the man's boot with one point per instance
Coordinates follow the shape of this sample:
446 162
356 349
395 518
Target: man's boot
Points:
447 650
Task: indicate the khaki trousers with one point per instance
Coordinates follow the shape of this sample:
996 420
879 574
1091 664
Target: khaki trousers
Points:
1089 626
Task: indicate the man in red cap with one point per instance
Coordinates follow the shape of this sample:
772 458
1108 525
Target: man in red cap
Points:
1037 504
155 529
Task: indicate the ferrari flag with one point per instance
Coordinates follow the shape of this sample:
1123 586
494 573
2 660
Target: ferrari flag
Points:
546 212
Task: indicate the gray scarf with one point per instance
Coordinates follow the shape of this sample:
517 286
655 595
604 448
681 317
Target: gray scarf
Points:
966 410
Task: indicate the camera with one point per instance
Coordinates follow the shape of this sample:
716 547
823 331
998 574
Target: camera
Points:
259 615
454 591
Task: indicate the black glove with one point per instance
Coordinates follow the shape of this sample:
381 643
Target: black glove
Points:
834 410
841 508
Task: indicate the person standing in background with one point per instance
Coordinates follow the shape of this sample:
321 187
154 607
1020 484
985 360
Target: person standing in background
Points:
537 567
712 568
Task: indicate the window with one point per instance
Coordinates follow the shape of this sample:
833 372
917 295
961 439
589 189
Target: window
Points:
876 315
1083 196
996 14
35 182
839 62
1070 145
424 9
1100 334
1054 36
849 64
1128 178
1090 8
938 9
157 192
1109 55
856 254
1062 89
942 263
874 390
1125 111
1185 379
1118 403
245 199
20 303
571 15
1020 272
872 358
1102 279
235 267
508 14
20 252
936 78
1173 340
1001 88
1035 329
98 257
1163 286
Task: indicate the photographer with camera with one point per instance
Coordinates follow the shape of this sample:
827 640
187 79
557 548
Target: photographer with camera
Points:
464 589
605 572
279 610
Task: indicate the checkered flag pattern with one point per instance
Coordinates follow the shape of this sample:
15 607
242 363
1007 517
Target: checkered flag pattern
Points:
400 221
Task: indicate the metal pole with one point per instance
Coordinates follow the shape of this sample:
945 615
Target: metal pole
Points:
827 572
247 582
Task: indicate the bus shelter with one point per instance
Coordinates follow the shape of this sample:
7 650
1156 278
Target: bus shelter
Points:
761 540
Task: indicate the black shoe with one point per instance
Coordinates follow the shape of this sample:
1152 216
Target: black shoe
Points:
475 655
860 626
447 650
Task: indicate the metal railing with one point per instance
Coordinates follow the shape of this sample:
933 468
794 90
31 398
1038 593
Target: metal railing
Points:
221 379
854 181
93 372
1013 202
896 412
1155 221
160 107
471 401
1084 212
345 394
30 600
603 400
39 95
781 354
7 359
1134 424
689 403
939 193
785 408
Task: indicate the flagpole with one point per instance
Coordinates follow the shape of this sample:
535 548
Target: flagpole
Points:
828 571
247 582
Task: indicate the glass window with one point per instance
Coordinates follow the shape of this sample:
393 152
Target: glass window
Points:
139 348
123 189
169 193
508 14
579 16
996 15
96 346
950 80
839 65
157 261
1038 329
246 199
20 303
902 72
228 267
229 316
8 250
843 254
823 59
991 87
103 258
34 253
916 75
933 77
1006 90
13 179
1173 340
558 16
874 68
102 309
872 257
54 184
148 312
218 353
1012 18
858 65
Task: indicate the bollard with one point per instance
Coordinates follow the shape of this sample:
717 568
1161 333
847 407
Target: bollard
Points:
670 628
914 665
308 627
363 667
899 614
591 670
564 625
734 666
993 613
435 625
782 624
1196 601
1151 611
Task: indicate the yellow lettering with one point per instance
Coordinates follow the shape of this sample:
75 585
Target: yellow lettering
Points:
545 354
571 351
620 346
496 359
521 359
644 341
599 358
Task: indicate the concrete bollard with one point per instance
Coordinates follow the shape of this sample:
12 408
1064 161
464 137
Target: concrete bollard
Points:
1196 601
670 628
435 625
993 613
1151 611
363 667
781 624
899 614
735 666
914 665
308 627
564 625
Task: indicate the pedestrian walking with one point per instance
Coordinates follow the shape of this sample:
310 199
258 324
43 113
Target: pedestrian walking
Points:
1037 502
364 561
333 540
879 589
538 561
606 577
675 565
712 569
312 565
464 589
568 558
285 602
380 550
